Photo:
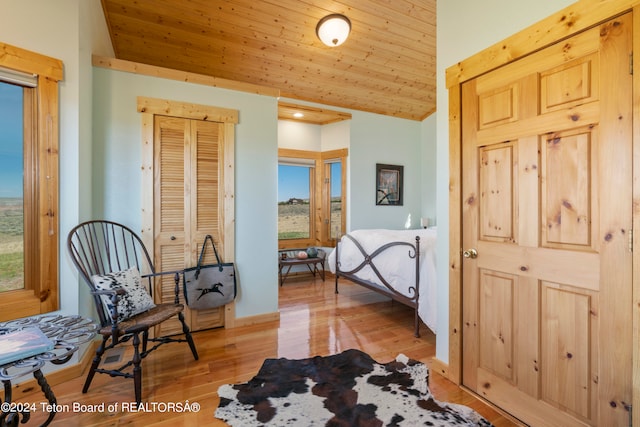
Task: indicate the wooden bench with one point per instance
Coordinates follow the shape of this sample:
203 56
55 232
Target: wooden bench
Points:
287 259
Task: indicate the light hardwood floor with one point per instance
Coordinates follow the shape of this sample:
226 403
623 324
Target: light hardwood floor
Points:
313 321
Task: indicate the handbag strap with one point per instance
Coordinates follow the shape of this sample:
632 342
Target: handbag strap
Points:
209 238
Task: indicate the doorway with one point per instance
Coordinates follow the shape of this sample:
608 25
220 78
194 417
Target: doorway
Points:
537 174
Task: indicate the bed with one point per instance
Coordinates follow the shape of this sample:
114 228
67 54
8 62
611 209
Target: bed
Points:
399 264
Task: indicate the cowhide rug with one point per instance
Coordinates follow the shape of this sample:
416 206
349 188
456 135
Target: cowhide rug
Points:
347 389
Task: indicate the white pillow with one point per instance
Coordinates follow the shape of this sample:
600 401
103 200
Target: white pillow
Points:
135 301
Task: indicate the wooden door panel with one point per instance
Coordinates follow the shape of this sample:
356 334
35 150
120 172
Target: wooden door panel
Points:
497 191
186 208
527 345
568 195
498 106
207 319
527 176
470 322
559 121
568 357
497 313
539 413
570 84
207 159
170 188
552 58
206 211
541 263
171 257
546 190
170 198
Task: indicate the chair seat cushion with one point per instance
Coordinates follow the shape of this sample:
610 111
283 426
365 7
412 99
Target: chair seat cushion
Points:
143 321
136 299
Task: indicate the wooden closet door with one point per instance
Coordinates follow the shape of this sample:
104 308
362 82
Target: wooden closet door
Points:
546 187
206 193
186 206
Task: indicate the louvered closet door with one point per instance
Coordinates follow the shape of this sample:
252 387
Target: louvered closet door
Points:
186 199
547 205
206 205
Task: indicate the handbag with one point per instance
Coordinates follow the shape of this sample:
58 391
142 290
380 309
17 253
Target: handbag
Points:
211 285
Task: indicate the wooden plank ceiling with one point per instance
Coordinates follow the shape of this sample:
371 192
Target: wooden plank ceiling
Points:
386 66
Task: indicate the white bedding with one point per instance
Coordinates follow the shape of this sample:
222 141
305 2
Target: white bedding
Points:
394 264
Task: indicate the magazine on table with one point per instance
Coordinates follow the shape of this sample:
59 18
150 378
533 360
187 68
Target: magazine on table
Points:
23 343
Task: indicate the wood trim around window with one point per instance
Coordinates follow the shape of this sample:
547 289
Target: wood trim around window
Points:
41 226
319 196
314 207
339 154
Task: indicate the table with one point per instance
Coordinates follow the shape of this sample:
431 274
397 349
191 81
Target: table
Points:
67 334
287 261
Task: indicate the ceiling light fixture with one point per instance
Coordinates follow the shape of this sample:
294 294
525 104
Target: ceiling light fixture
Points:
298 115
333 29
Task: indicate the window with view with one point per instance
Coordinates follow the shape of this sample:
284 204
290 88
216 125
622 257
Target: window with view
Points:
311 182
28 183
335 185
294 203
11 188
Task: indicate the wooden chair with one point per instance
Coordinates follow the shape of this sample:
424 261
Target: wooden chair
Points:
99 248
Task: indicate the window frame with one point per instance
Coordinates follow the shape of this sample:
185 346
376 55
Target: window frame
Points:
319 196
41 193
328 158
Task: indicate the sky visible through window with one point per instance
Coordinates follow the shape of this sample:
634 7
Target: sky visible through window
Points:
336 179
293 182
11 188
10 141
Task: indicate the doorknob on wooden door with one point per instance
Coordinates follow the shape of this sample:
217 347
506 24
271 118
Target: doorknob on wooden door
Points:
470 253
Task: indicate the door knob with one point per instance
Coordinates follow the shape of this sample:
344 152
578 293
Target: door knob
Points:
470 253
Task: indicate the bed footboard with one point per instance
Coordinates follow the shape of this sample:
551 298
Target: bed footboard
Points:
381 284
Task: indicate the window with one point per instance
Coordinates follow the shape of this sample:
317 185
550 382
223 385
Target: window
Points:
311 197
294 201
336 210
11 188
28 183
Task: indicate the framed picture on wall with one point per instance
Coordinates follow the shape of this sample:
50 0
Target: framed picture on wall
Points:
389 185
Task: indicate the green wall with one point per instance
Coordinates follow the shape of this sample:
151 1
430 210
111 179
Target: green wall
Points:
116 169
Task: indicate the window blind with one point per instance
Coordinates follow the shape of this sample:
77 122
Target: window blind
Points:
292 161
19 78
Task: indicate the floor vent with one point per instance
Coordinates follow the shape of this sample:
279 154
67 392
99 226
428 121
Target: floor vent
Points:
113 355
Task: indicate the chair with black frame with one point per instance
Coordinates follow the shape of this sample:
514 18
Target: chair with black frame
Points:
114 262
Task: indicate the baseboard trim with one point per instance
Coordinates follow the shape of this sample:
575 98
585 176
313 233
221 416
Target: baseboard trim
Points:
260 318
440 367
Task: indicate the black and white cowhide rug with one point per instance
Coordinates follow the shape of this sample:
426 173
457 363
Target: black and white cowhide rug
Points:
347 389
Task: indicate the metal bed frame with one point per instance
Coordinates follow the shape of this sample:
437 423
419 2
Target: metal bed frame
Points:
384 288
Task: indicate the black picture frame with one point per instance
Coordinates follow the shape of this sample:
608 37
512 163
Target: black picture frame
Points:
389 184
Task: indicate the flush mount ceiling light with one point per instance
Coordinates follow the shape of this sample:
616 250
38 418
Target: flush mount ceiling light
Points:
333 29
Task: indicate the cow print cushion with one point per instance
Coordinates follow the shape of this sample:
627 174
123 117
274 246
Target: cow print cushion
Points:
135 301
347 389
